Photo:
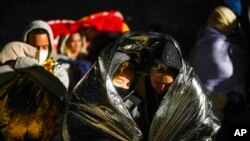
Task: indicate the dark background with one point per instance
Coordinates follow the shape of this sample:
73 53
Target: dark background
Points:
180 18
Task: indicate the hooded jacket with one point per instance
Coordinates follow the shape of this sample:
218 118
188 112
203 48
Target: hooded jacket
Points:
60 72
13 50
42 25
185 113
76 67
95 104
116 61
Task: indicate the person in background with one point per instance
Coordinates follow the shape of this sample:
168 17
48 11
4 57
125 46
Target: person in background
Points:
39 34
74 46
74 56
97 41
225 80
227 61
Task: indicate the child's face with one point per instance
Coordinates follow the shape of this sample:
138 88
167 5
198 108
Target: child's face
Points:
123 79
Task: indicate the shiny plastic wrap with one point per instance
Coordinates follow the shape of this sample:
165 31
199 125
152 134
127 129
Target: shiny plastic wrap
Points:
185 113
96 102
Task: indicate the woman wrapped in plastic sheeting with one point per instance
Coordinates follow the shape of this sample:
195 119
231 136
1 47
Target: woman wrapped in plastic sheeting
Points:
96 109
184 113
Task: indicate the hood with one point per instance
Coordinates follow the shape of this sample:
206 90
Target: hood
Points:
42 25
97 104
117 59
14 50
169 53
151 47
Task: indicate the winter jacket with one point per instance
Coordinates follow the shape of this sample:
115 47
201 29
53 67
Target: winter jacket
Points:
227 62
59 72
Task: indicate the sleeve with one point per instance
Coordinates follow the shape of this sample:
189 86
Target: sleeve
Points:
62 75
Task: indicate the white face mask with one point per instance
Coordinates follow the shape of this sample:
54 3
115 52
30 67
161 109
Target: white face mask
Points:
41 56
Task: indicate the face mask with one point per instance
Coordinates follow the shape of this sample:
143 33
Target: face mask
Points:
122 92
41 56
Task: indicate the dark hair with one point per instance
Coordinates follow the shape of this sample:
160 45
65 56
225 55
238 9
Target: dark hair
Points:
163 69
36 31
76 32
126 65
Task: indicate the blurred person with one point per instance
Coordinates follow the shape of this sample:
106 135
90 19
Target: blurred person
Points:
30 105
74 46
226 60
74 57
101 29
98 40
39 34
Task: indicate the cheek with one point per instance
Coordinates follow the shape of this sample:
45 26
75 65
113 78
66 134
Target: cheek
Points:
169 80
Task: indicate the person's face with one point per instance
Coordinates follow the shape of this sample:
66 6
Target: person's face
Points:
160 83
75 42
123 79
40 41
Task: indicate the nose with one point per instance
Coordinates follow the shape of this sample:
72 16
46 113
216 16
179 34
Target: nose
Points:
126 86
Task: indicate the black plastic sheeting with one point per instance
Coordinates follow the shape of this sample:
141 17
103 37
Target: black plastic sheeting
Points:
185 113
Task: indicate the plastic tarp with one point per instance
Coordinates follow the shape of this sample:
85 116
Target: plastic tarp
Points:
185 113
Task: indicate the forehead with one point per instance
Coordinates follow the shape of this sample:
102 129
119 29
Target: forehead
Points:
39 38
161 77
127 73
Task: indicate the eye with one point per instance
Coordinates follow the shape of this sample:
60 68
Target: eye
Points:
45 47
128 84
119 81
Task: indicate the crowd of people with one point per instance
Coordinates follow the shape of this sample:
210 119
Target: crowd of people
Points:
128 85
